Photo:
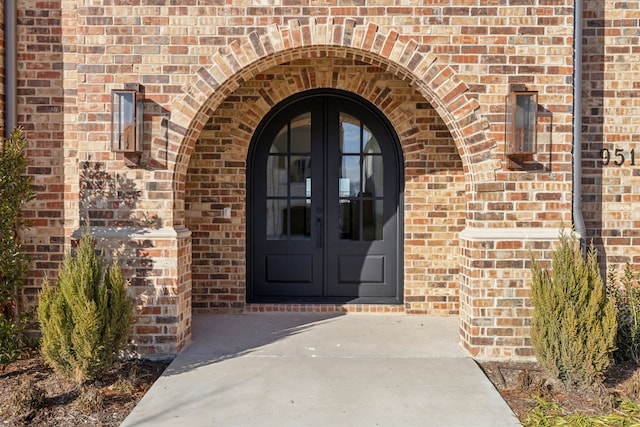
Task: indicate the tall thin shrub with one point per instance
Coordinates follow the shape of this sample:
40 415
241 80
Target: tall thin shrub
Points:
574 325
626 294
85 321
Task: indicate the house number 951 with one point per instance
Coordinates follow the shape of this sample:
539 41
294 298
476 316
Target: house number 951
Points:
617 156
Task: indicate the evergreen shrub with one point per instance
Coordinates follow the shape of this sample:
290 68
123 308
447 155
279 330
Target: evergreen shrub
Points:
85 321
14 338
626 294
15 191
574 325
9 348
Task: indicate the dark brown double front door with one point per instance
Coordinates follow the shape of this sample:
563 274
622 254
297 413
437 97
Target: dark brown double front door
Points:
324 203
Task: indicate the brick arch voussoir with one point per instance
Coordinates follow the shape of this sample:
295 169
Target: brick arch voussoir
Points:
390 106
241 60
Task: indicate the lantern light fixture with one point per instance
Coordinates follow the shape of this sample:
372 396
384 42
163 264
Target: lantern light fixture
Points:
127 125
521 122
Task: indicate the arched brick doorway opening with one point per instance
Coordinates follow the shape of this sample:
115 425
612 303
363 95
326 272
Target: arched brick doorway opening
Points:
198 118
434 184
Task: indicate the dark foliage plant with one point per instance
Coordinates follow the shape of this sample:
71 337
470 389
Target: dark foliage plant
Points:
16 189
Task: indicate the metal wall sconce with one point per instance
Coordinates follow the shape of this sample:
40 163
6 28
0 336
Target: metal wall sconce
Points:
127 126
521 123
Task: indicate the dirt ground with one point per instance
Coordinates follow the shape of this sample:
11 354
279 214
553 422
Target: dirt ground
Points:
519 383
32 395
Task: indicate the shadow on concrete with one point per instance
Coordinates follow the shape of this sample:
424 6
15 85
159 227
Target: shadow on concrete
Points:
215 338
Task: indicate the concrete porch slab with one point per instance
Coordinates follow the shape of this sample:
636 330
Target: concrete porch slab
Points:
308 369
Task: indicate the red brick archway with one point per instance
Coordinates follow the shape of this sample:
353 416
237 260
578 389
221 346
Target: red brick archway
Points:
239 62
242 60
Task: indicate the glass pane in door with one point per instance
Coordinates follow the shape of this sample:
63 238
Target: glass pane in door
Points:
350 136
277 219
277 180
301 134
344 219
372 219
300 176
370 142
360 182
373 175
280 142
349 182
289 181
300 219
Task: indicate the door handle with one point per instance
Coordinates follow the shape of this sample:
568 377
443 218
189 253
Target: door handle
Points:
318 232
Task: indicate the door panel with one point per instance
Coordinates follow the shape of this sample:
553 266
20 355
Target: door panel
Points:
362 202
289 268
287 257
325 204
359 269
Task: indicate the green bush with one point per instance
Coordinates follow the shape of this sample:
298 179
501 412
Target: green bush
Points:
626 294
13 338
85 321
15 191
574 325
9 347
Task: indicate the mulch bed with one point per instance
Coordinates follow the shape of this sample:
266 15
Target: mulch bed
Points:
32 394
520 383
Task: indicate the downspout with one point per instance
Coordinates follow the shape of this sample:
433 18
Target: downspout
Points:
10 85
10 67
578 220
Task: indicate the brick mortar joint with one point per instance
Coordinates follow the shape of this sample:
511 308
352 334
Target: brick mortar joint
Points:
133 233
511 233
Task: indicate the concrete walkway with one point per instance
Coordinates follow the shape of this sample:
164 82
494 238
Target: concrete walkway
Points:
304 369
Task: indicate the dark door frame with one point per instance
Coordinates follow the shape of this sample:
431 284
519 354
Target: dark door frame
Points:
265 124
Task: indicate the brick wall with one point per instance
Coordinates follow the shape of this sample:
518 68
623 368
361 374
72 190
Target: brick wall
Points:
41 105
611 116
447 67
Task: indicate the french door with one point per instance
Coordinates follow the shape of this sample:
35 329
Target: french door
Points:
324 204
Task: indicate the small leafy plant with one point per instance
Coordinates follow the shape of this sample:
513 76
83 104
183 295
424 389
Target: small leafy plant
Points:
625 413
574 323
14 338
9 347
85 321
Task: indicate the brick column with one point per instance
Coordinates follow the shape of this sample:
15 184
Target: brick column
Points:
495 285
157 263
